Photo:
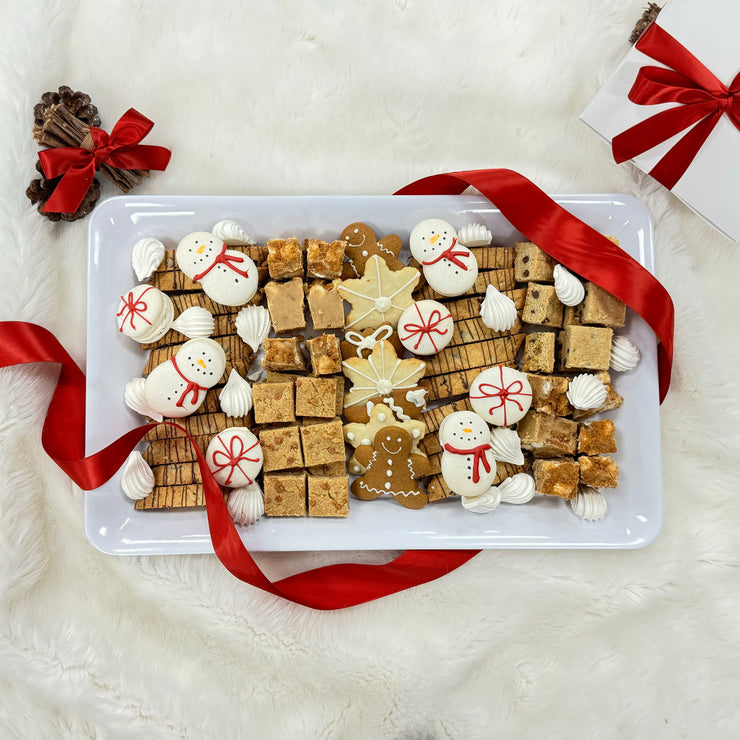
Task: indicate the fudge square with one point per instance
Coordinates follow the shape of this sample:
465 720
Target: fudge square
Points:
273 403
598 472
542 306
316 397
585 347
324 259
539 352
325 353
556 478
281 448
283 355
326 306
531 263
285 494
285 304
323 443
596 437
328 496
548 394
548 436
284 258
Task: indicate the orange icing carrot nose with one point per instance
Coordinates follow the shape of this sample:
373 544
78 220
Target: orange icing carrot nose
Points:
200 249
467 430
434 238
201 363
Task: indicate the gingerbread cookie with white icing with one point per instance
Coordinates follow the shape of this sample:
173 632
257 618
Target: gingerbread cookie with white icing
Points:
361 244
391 469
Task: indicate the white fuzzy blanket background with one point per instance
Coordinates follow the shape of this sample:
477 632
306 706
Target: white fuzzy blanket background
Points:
327 98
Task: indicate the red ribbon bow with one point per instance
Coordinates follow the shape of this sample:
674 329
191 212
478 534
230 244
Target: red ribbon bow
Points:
701 96
479 456
435 319
120 149
232 456
223 259
451 255
531 211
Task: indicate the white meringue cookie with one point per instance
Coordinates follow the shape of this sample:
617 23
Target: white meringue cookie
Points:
236 397
146 257
231 234
568 288
195 321
507 446
586 391
253 325
135 400
625 355
474 235
497 311
517 489
246 504
589 504
137 481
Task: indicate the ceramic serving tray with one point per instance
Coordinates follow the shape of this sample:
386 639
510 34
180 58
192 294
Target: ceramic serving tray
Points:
634 514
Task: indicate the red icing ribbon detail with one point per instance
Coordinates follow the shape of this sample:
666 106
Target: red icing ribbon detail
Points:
571 242
133 308
451 255
702 98
223 259
479 456
192 387
120 149
503 393
422 329
233 455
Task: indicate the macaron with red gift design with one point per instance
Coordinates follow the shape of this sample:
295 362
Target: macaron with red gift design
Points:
234 456
425 327
449 268
468 465
227 276
145 313
177 388
501 395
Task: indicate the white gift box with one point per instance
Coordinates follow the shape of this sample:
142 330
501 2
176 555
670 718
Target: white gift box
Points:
711 184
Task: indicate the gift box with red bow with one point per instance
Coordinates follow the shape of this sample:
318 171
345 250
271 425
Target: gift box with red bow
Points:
673 108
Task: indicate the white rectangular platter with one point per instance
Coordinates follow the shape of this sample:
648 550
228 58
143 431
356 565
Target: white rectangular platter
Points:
634 514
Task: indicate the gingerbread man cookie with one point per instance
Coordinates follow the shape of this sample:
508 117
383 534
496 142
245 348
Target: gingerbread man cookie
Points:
361 244
379 296
391 469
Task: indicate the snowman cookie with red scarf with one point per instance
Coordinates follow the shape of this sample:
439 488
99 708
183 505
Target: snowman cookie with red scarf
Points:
468 465
177 388
449 268
226 275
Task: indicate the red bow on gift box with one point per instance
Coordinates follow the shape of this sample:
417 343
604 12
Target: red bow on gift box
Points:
120 149
702 99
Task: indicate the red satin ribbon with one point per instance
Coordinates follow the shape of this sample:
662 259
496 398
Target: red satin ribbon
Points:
569 241
120 149
702 99
343 585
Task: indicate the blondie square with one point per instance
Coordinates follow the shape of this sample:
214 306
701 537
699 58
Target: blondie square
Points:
598 472
323 443
325 354
283 355
316 397
273 403
284 258
328 496
541 306
285 495
539 352
285 304
532 264
596 437
330 470
326 306
324 259
281 448
548 394
585 347
548 436
602 308
556 478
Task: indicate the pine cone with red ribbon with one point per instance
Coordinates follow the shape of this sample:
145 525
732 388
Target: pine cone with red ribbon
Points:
39 191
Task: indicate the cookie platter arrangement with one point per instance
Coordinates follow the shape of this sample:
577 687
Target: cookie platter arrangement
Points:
367 373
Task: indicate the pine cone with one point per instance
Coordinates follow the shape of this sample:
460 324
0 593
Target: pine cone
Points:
39 191
648 16
77 103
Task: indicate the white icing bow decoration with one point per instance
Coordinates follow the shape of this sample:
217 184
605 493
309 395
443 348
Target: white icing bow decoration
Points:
368 342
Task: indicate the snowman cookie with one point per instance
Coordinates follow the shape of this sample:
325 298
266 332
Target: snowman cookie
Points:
425 328
145 314
449 268
468 465
391 468
178 387
501 395
226 275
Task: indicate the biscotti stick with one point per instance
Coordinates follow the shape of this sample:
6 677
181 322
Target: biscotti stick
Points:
469 308
437 489
501 279
173 497
493 258
497 351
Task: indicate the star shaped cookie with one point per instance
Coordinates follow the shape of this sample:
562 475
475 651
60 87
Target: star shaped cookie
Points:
361 244
380 296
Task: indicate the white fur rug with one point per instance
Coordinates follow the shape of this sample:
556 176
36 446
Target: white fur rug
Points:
312 97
